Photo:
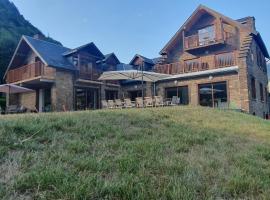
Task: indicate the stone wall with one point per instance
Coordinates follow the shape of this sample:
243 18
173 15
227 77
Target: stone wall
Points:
256 106
62 92
28 100
232 88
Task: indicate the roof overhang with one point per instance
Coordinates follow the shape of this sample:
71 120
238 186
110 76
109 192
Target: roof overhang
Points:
259 40
198 9
146 60
16 51
92 45
225 70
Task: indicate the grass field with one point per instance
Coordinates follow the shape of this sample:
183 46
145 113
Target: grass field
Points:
166 153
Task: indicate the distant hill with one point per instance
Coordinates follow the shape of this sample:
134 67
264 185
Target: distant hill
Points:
12 26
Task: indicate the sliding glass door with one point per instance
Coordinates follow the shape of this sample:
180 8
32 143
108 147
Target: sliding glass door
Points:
180 92
86 98
213 95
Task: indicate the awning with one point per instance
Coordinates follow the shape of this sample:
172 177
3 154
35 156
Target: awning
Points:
12 89
133 75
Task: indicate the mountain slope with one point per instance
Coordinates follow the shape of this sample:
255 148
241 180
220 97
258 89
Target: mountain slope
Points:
12 27
156 153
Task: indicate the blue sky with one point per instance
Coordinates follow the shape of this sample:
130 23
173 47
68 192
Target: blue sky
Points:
127 27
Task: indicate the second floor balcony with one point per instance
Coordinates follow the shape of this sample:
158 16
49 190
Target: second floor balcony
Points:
198 64
208 36
28 72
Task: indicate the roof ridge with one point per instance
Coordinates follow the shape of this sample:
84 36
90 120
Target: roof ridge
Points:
45 41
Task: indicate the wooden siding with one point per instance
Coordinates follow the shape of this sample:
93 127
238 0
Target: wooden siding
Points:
29 71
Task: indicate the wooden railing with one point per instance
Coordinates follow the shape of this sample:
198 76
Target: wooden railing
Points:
25 72
93 75
193 41
198 64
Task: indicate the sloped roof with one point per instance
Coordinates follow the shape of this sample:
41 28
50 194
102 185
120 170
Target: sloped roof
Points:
209 10
147 60
51 53
259 40
107 56
92 48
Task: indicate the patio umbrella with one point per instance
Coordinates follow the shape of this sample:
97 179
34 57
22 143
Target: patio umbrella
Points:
133 75
13 89
143 76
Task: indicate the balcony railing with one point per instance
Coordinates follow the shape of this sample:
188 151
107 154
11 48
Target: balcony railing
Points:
25 72
198 64
207 38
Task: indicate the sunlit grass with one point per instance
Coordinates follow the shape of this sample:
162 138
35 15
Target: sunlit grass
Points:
166 153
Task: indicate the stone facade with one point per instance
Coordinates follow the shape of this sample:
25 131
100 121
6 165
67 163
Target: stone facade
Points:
28 100
193 84
62 92
257 106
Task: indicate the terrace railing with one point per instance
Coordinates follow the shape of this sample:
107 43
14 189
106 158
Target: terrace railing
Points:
198 64
25 72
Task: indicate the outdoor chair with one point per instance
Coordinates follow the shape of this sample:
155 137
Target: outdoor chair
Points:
14 109
175 101
104 104
158 101
111 104
148 102
128 103
118 103
139 102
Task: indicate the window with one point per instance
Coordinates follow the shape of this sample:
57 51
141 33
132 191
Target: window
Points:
253 88
180 92
213 95
206 35
261 92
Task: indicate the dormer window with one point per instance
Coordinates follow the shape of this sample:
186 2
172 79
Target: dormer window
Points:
206 35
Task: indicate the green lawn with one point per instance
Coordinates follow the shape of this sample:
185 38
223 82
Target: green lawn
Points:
166 153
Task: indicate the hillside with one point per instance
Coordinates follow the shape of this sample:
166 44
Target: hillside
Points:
12 26
167 153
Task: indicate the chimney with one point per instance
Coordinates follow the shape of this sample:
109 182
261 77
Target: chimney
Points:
39 36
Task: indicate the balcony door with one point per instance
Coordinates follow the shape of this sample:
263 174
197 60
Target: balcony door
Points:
206 35
180 92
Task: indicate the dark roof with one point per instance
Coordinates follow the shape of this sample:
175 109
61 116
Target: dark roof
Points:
244 19
156 60
259 40
107 56
92 48
51 53
146 60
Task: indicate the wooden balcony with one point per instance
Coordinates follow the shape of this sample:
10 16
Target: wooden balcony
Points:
28 72
198 64
92 75
195 41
